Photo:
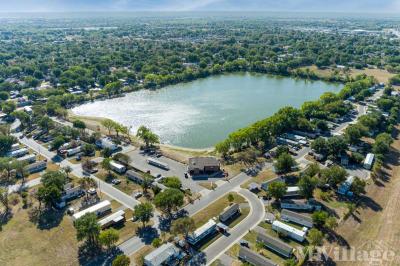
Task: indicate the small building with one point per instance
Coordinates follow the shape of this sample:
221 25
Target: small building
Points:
265 185
292 192
203 165
369 160
201 232
36 167
99 209
73 151
298 218
344 188
134 176
113 219
18 153
166 254
71 192
229 212
119 168
274 244
300 204
289 231
253 258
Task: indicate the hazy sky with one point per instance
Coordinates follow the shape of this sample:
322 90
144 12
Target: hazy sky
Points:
375 6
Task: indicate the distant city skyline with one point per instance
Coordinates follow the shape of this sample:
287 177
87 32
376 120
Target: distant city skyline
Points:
348 6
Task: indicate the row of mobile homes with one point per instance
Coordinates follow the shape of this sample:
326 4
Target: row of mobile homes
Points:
369 160
18 153
36 167
29 158
300 204
289 231
15 147
99 209
202 232
134 176
298 218
253 258
166 254
344 188
119 168
158 164
274 244
229 212
112 220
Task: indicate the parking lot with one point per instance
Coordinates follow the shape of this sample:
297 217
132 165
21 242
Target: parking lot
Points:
139 161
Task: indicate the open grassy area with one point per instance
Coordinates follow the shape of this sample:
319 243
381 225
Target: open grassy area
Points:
215 208
126 185
137 257
208 185
23 243
263 176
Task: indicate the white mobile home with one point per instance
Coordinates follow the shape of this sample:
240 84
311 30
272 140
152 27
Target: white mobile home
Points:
201 232
18 153
300 204
166 254
112 219
369 161
159 164
229 212
119 168
106 143
29 158
298 218
289 231
99 209
72 152
292 191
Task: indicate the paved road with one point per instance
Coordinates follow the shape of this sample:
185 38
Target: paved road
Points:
222 244
217 193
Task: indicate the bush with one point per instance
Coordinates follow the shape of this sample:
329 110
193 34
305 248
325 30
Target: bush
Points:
156 242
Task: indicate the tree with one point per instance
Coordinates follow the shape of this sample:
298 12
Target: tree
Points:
231 198
358 186
46 123
122 158
108 238
106 165
169 200
5 144
79 124
88 229
382 143
277 190
20 170
146 183
147 136
307 185
331 223
108 124
156 242
88 149
281 149
336 145
173 182
57 142
284 163
86 183
67 169
4 199
53 185
319 145
106 152
8 107
121 260
334 175
353 133
144 212
319 217
23 117
184 226
315 236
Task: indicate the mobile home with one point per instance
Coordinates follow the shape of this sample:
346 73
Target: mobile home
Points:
113 219
274 244
158 164
298 218
18 153
119 168
369 161
229 212
201 232
99 209
134 176
289 231
36 167
29 158
253 258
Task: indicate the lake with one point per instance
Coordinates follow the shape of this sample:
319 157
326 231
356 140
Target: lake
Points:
201 113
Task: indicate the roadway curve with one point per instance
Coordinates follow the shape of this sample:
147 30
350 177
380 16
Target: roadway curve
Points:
256 215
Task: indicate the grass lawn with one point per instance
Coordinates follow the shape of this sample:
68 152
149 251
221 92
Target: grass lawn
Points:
126 185
243 214
208 185
84 158
137 257
260 178
23 243
215 208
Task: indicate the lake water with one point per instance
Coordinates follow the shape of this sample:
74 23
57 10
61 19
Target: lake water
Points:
201 113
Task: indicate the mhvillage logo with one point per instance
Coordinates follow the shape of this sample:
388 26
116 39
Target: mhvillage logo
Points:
370 253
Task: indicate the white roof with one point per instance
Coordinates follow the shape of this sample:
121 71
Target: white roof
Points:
111 217
117 165
201 230
91 209
369 158
288 228
161 254
292 189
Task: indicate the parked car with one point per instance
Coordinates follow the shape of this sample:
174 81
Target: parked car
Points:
92 191
137 195
116 181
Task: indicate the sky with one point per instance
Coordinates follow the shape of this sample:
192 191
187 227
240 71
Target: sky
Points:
348 6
